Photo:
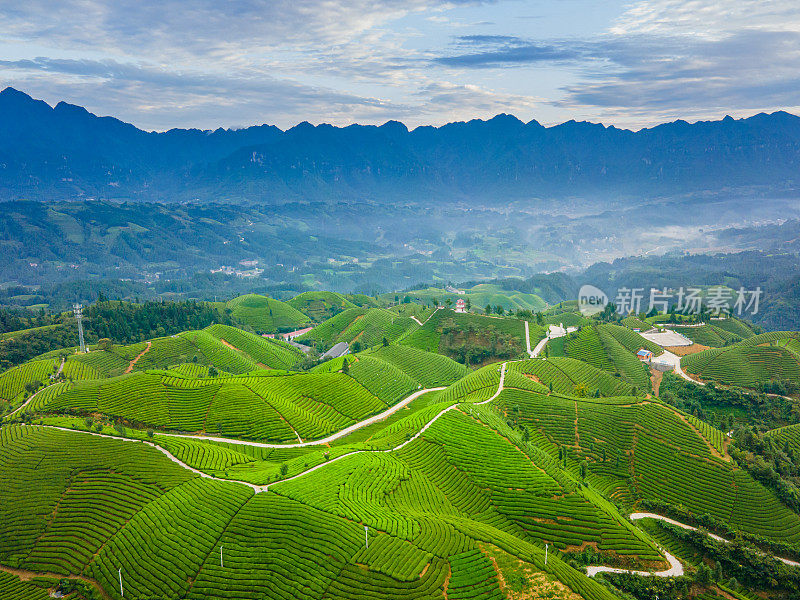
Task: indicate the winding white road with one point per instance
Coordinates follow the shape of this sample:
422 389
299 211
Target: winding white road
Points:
636 516
675 568
262 488
166 453
539 347
408 441
301 444
535 352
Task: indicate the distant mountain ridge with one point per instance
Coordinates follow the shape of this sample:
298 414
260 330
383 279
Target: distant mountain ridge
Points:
65 152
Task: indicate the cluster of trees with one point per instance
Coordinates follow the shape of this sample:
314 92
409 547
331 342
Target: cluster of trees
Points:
472 345
711 523
780 387
739 560
715 405
776 466
121 322
23 347
125 322
14 319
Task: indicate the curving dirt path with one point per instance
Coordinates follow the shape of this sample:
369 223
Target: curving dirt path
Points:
421 323
140 355
25 575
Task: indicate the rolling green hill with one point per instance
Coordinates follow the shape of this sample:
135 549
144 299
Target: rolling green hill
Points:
368 327
276 408
572 377
268 352
319 306
746 364
266 315
454 334
427 527
637 450
216 464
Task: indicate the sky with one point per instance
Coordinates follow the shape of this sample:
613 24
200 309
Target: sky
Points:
234 63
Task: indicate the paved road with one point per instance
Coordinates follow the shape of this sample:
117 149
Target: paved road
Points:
637 516
675 568
405 443
539 347
499 386
675 361
551 335
160 449
339 434
528 340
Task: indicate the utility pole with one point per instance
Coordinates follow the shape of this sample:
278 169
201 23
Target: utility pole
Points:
545 554
121 592
366 536
79 316
221 564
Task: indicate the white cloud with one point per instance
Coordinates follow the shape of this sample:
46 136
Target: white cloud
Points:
708 19
668 59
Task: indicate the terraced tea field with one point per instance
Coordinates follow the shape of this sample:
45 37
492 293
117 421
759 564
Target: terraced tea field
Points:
266 314
320 306
368 327
200 466
572 377
747 364
608 348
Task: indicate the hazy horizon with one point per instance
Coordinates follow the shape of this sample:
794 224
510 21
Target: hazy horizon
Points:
544 124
